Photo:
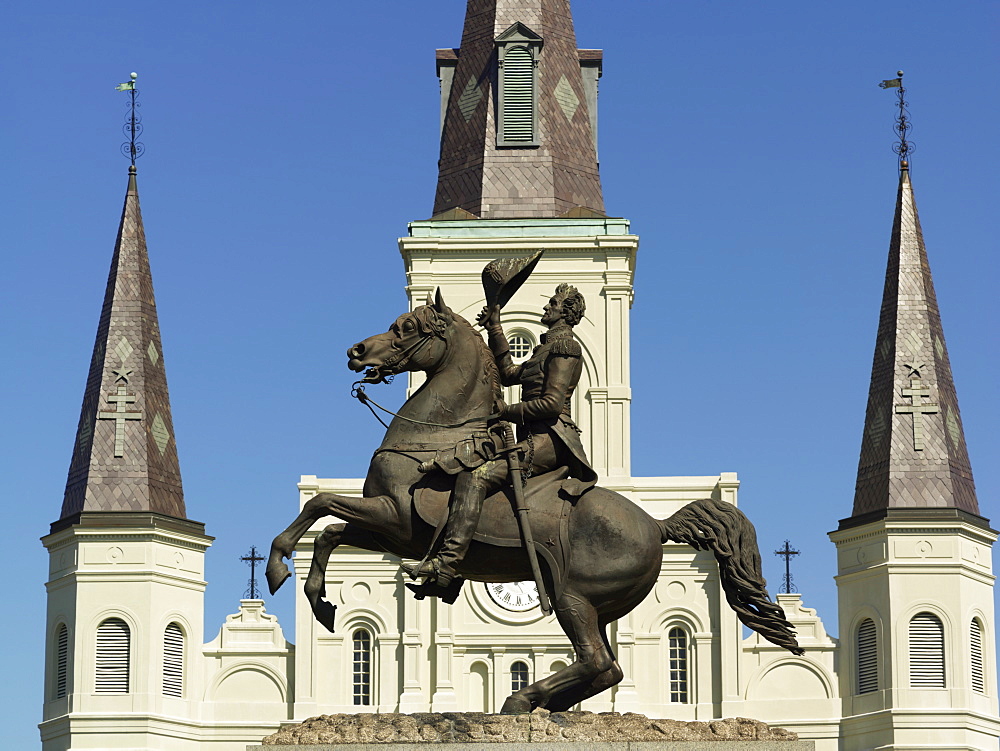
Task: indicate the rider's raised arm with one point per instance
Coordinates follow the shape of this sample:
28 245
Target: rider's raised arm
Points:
510 374
562 373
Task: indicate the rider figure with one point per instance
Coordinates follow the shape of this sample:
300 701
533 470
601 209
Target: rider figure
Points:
547 434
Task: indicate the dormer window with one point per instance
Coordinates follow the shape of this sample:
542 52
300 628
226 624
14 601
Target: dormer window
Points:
517 108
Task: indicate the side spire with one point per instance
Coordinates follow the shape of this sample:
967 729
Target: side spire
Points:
913 451
518 130
125 458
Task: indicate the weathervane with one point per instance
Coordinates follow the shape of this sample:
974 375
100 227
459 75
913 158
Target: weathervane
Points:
787 553
253 558
904 148
133 122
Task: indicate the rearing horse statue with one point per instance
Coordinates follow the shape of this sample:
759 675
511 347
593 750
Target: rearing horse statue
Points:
602 552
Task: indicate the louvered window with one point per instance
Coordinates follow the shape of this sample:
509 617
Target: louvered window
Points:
112 666
173 661
976 656
518 676
62 661
926 651
362 642
867 657
517 101
677 639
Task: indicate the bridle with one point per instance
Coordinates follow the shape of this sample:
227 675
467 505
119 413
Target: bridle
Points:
389 368
397 362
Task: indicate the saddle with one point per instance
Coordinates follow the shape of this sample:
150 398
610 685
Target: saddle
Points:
550 507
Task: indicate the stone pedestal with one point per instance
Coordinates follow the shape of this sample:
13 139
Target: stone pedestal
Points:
559 731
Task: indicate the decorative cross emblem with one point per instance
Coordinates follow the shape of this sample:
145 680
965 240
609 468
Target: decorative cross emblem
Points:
787 553
918 409
253 559
120 415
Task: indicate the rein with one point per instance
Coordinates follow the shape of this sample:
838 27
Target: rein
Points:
358 392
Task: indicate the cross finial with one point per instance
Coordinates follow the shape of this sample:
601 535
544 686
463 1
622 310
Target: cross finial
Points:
253 559
787 552
133 122
905 147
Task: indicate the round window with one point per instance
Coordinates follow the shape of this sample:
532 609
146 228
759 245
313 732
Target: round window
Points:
520 346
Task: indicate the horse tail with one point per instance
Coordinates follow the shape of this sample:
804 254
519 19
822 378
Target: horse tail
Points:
726 531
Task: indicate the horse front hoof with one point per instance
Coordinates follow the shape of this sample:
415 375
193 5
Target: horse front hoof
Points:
277 574
325 613
516 705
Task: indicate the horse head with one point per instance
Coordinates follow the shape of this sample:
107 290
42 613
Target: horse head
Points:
415 341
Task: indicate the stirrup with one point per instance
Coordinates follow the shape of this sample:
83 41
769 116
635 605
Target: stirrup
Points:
431 570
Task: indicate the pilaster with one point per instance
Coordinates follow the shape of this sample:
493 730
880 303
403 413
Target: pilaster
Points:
414 696
626 696
444 698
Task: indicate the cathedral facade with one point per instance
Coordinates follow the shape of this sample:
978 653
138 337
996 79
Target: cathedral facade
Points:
913 667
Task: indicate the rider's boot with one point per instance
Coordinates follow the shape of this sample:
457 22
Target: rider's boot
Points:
447 594
466 506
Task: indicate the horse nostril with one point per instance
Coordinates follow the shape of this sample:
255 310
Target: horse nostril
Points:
357 351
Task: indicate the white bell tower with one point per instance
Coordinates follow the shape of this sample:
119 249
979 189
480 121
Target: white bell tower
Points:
915 579
126 573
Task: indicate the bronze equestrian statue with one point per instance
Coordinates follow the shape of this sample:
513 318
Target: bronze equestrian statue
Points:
549 437
601 552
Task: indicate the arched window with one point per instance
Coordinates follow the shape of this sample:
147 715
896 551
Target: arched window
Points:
976 656
362 642
173 661
677 640
867 653
111 673
62 661
518 676
926 651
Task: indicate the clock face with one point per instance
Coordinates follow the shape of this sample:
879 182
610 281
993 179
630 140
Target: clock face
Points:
514 596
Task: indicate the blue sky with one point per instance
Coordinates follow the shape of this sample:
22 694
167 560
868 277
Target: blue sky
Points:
289 145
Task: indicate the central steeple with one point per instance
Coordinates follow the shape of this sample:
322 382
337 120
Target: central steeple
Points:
518 125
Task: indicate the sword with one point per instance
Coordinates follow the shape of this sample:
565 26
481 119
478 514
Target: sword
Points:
514 465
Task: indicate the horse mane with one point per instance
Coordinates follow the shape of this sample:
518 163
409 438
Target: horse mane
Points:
490 371
433 322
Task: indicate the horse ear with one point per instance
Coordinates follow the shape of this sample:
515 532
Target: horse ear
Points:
439 304
430 300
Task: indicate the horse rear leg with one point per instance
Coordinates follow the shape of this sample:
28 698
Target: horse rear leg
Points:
375 514
594 659
564 700
315 586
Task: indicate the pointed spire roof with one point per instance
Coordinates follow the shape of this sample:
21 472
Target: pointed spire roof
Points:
125 458
913 452
559 172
